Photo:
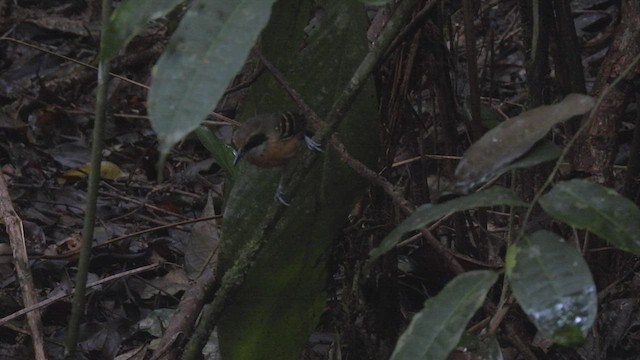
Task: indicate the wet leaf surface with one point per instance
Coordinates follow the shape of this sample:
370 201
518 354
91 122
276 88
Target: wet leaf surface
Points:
554 286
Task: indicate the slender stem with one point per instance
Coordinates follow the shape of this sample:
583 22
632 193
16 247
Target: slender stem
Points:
92 196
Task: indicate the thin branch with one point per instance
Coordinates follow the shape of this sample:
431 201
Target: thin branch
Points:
46 51
133 234
43 304
14 228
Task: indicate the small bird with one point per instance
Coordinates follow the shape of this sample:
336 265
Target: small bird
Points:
271 140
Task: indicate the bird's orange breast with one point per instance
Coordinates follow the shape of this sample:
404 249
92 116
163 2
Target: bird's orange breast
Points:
276 152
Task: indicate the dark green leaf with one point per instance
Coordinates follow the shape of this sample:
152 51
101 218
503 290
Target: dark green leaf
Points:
128 19
552 283
204 54
542 152
437 328
480 347
284 294
500 146
586 205
221 152
426 214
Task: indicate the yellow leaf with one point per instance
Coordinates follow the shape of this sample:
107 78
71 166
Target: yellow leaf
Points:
108 170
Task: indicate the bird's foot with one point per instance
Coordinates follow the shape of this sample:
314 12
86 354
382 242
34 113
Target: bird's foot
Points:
279 195
311 144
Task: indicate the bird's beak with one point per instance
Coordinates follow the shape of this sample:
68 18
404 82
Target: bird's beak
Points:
239 155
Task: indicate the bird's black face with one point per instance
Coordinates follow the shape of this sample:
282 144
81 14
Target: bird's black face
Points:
254 141
269 140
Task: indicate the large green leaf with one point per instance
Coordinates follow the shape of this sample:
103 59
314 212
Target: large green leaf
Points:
553 285
496 149
272 315
437 328
128 19
204 54
428 213
601 210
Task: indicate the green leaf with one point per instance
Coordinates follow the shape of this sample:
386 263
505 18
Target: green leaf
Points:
429 213
284 294
500 146
604 212
480 347
542 152
553 285
221 152
204 54
128 19
437 328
